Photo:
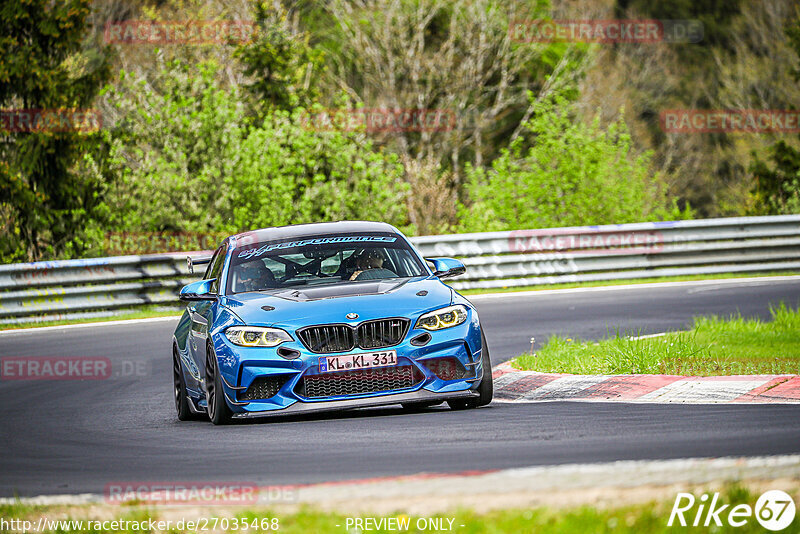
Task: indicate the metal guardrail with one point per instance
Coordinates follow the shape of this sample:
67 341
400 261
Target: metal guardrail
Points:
94 287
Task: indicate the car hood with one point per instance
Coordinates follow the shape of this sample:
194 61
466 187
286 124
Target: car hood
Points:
297 307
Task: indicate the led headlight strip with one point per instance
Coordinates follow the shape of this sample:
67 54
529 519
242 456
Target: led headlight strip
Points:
256 336
443 318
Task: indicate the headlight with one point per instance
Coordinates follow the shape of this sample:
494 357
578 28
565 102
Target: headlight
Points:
443 318
256 336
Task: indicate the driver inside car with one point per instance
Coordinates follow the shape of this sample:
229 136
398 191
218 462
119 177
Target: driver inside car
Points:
253 276
369 266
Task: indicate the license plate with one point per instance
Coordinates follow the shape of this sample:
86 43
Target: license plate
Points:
365 360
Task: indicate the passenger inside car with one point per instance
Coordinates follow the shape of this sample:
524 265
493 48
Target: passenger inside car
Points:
369 266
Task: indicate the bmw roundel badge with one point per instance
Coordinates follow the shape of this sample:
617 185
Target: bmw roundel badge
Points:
352 315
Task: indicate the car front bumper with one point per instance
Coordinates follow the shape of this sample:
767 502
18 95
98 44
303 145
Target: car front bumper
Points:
240 367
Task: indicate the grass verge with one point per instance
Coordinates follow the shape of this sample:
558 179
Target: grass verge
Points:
641 518
713 346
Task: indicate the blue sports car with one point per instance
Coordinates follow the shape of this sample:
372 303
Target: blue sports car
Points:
326 316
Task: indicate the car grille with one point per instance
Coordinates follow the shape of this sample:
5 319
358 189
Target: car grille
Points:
263 387
328 338
342 338
381 333
359 381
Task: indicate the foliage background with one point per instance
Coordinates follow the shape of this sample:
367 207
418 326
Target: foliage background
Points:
214 139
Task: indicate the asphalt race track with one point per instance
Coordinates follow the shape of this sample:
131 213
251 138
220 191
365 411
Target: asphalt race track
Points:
62 437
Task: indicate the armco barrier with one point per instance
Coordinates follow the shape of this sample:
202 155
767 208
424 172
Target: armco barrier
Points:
83 288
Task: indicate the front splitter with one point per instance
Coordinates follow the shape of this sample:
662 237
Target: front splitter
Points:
368 402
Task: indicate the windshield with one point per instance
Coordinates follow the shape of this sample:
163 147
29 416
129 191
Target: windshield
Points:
316 260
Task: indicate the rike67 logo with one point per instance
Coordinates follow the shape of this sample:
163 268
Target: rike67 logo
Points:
774 510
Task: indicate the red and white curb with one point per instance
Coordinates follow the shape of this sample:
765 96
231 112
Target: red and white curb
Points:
511 385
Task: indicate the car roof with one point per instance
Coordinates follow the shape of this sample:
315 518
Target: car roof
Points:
303 230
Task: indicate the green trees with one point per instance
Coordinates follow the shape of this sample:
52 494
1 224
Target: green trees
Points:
573 174
45 199
174 143
212 138
281 67
743 62
777 187
455 56
289 174
188 158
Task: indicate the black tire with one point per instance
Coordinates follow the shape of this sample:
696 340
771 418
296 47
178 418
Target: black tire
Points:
179 389
218 410
485 388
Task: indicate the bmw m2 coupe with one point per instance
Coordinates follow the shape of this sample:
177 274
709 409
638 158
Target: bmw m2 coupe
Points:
326 316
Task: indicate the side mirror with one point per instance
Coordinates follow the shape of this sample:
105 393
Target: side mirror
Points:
200 290
447 267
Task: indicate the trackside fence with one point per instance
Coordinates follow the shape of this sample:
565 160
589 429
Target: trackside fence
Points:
99 286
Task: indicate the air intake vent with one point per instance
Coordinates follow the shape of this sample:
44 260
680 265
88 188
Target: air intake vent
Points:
263 387
446 368
360 381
